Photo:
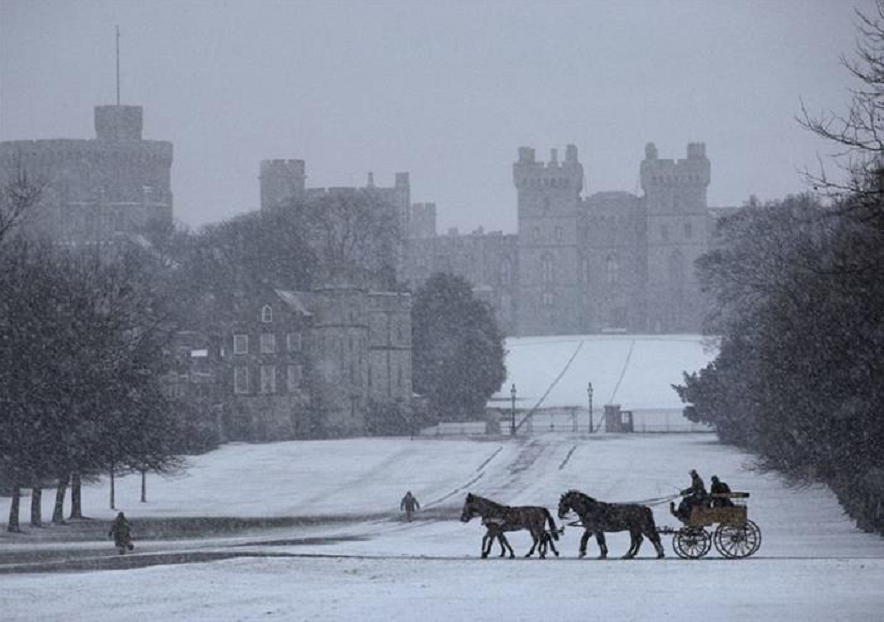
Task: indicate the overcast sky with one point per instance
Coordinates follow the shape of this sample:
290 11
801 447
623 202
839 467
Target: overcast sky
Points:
445 90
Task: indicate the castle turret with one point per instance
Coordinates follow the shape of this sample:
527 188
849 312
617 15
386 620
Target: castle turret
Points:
677 214
548 204
281 181
118 122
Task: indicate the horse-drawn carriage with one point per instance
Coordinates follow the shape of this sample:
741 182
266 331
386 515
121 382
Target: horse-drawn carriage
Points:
735 536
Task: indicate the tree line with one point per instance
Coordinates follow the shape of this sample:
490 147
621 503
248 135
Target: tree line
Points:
87 336
798 291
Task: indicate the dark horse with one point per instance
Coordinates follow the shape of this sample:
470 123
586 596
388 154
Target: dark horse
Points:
494 530
500 518
598 517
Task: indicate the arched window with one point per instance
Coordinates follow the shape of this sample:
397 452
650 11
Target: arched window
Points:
612 269
676 268
547 268
267 314
584 270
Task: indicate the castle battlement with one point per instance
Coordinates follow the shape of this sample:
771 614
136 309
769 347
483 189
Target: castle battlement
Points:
695 170
528 172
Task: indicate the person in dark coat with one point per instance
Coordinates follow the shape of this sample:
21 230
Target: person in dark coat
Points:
694 495
719 487
120 531
409 504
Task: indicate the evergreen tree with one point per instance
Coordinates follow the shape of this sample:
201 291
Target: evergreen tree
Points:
458 351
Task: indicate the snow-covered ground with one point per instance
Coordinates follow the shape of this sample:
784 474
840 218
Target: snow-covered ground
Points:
813 564
635 371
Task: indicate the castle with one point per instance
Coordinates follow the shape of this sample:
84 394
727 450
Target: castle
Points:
97 189
606 262
610 261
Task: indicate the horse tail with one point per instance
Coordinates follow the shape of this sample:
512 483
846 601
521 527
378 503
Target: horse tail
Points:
552 525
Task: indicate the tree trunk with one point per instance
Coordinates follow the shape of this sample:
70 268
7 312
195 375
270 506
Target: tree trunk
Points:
144 485
60 492
12 526
112 490
36 507
76 500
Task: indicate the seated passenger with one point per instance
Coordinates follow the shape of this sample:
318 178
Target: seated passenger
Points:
719 487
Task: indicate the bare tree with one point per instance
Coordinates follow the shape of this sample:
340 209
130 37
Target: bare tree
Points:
858 134
17 196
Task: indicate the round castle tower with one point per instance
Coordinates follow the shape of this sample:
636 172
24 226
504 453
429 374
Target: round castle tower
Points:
95 189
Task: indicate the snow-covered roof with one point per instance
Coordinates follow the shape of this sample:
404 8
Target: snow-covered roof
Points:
293 301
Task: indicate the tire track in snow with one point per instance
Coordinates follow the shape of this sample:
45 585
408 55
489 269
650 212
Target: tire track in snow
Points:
568 457
481 473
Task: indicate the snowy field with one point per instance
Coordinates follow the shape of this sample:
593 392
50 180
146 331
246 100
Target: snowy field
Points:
360 561
635 371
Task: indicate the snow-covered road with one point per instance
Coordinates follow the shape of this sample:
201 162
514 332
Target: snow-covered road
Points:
813 563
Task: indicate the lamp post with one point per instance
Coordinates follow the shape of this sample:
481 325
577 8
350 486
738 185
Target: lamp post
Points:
513 411
589 394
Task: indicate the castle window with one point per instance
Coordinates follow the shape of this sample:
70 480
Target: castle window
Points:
240 380
558 234
293 341
545 206
293 376
547 268
584 270
548 299
664 232
267 343
535 234
612 269
267 314
268 379
688 230
240 344
676 203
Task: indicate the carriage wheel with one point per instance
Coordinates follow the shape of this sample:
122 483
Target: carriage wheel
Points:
737 541
691 542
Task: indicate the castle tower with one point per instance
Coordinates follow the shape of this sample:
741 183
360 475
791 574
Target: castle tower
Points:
677 215
548 204
281 180
98 191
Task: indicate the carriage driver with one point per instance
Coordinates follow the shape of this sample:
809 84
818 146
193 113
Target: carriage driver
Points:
694 495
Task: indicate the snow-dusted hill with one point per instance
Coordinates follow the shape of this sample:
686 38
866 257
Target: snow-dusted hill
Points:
635 371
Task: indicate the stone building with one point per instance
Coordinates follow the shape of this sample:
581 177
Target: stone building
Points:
609 261
95 189
309 364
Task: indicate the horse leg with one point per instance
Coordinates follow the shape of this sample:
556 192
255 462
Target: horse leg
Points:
487 541
634 544
600 537
583 540
539 535
552 545
654 537
501 540
534 543
506 543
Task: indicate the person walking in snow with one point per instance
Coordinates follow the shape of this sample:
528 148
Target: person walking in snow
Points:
409 504
120 531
